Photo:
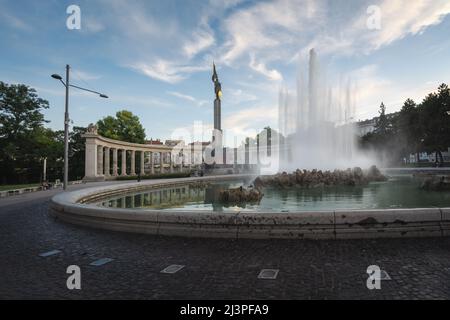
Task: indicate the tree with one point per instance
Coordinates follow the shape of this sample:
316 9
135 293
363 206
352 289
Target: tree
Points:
408 128
435 122
23 139
125 127
20 110
77 148
416 128
382 125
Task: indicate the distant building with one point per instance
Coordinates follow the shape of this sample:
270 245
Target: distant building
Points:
154 142
203 144
428 157
173 143
368 126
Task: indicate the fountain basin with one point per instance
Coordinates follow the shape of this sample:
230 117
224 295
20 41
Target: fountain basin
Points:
72 207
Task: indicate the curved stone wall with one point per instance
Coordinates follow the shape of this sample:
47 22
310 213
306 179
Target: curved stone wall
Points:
102 158
352 224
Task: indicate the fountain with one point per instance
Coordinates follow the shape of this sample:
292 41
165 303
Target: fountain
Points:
318 124
317 131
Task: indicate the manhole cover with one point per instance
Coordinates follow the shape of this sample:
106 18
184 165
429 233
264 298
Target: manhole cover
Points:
172 268
268 274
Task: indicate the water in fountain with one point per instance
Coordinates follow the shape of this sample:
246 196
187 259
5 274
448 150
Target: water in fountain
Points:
318 125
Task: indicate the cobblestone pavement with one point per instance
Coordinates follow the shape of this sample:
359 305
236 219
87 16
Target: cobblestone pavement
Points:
214 268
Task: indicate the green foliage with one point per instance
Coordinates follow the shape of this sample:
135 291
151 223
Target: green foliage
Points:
423 127
76 153
20 110
25 142
383 125
23 139
125 127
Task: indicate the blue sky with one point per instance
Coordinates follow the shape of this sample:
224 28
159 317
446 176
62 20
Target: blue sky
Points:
154 57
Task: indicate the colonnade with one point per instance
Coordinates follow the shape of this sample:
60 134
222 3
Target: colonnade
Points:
107 158
149 162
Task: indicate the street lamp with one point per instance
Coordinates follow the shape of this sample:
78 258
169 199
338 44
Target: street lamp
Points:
67 120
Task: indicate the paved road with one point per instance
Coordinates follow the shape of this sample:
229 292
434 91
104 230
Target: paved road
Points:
214 268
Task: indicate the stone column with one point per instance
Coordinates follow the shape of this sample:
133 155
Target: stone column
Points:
247 154
171 164
152 162
90 161
107 162
164 156
161 162
115 169
142 170
100 160
133 163
124 163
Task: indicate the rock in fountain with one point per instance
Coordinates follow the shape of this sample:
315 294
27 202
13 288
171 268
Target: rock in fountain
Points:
240 196
317 123
318 178
436 183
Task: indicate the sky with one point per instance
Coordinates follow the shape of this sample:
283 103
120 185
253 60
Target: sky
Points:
155 58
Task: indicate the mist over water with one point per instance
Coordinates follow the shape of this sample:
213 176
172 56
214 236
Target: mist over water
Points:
318 123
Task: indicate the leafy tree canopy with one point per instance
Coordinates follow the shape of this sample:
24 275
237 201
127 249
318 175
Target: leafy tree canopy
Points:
125 126
20 110
416 128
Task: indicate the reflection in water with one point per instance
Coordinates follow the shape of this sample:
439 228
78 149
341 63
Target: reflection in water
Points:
401 192
157 199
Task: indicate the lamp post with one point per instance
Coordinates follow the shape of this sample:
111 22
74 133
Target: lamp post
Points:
44 173
67 120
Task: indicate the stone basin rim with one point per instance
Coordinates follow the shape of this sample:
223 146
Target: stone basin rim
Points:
328 224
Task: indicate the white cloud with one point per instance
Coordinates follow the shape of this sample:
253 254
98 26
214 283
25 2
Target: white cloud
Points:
182 96
14 21
167 71
92 25
132 101
267 25
201 40
372 89
402 17
85 76
399 18
187 98
251 120
137 20
238 96
261 68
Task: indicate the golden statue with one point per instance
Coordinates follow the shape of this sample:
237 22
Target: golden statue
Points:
217 85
